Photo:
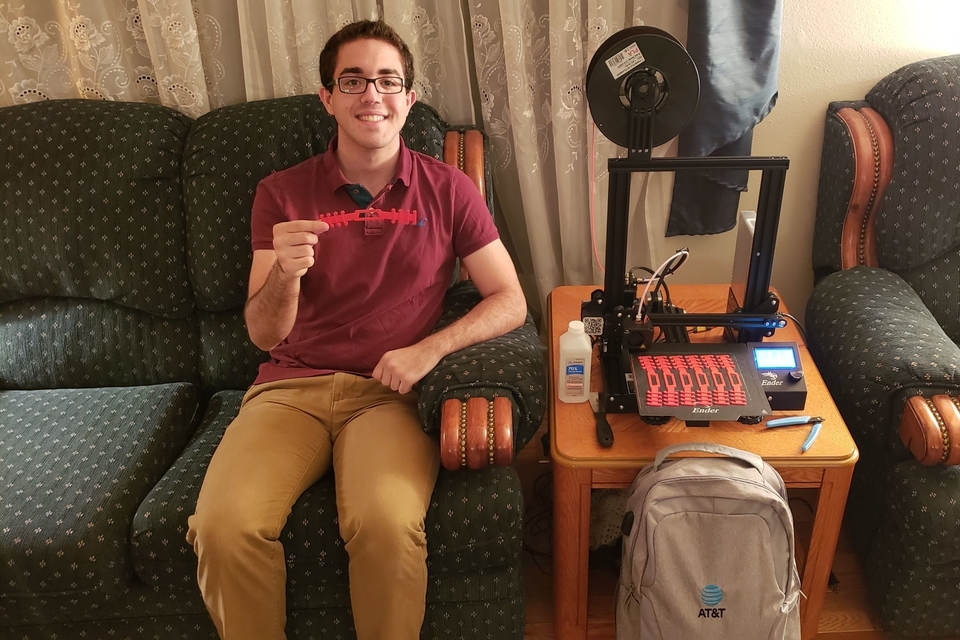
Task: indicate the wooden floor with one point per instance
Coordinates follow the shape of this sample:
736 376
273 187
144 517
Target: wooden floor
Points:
847 614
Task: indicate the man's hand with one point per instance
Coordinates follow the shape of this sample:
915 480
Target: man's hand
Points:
272 297
293 242
400 369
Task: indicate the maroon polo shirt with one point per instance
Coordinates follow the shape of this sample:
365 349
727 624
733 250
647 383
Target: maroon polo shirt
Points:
375 286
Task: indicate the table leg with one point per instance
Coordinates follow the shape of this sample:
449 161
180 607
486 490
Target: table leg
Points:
823 545
571 540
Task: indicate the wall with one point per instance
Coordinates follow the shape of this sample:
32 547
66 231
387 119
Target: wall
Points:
834 51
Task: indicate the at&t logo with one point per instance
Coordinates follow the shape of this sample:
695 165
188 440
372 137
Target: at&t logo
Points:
711 595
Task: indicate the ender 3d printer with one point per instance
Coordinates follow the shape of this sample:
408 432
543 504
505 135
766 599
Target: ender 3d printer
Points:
642 89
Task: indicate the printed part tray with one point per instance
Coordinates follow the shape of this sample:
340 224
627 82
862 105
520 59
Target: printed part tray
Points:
698 382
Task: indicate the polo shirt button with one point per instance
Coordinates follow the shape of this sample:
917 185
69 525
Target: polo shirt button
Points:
356 192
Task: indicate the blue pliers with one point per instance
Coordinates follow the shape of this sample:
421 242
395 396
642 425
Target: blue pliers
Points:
790 421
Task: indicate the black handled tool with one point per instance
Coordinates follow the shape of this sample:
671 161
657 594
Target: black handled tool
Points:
604 432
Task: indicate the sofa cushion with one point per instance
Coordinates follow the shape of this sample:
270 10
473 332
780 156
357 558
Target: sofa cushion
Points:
93 266
474 523
51 343
92 204
76 465
228 152
228 359
487 619
158 541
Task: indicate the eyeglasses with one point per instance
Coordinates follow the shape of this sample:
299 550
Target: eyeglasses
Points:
356 84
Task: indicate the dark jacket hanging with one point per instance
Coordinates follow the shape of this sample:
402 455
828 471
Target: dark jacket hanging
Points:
736 47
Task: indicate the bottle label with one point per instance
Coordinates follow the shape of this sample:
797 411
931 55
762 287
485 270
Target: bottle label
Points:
574 378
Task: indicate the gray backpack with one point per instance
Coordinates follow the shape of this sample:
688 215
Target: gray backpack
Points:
708 550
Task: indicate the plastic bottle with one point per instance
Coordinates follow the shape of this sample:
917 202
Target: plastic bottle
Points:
576 355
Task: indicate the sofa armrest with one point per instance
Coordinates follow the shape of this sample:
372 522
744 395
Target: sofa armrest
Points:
507 367
877 345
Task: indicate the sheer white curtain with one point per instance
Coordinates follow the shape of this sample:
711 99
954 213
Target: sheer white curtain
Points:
167 51
525 62
196 55
531 59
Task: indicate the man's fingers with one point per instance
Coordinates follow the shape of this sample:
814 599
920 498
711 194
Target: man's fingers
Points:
294 239
382 374
304 262
298 251
315 226
298 267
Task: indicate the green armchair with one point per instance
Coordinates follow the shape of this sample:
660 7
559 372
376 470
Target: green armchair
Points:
883 324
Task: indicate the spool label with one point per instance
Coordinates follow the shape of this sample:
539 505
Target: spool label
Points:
622 62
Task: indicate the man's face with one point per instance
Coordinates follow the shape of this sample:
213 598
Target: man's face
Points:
370 120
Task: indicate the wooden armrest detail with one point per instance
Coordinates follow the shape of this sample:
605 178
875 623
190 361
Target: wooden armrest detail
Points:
873 162
930 428
476 433
464 150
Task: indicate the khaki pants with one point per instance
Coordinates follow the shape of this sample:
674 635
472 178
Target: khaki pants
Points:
284 439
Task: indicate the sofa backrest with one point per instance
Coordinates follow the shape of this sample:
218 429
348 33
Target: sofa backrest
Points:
94 289
228 152
125 235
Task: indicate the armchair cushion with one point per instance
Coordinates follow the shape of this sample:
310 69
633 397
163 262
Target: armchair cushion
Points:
872 338
510 365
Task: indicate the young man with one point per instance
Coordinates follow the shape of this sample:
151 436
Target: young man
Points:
346 314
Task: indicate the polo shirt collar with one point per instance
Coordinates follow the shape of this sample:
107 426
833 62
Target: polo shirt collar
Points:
332 166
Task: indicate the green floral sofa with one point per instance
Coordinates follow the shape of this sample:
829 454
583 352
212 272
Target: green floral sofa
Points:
124 254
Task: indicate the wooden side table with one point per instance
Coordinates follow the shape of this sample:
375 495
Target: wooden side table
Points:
581 465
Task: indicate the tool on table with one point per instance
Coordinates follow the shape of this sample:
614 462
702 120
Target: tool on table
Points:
604 432
790 421
814 432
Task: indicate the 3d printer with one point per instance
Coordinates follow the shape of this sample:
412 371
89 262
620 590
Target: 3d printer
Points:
642 89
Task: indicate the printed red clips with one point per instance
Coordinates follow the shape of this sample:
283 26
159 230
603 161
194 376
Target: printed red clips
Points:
340 218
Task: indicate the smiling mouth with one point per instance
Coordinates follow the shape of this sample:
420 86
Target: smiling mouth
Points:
372 118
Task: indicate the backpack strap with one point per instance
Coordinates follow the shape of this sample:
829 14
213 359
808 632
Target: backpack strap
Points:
752 459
